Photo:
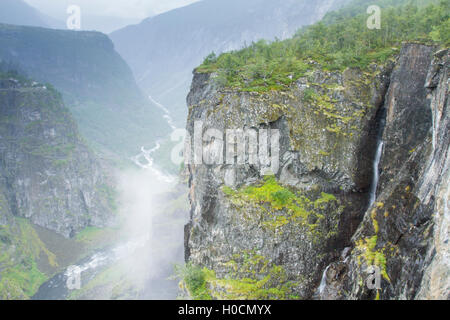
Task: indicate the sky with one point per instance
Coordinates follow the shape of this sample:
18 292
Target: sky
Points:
111 14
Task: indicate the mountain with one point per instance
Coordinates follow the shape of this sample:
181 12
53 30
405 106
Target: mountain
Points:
18 12
163 50
355 205
97 85
105 24
49 178
47 169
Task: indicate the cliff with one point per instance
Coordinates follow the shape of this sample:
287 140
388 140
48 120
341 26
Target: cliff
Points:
48 178
312 229
47 173
405 233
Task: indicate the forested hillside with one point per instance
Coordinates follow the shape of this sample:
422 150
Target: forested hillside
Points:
341 40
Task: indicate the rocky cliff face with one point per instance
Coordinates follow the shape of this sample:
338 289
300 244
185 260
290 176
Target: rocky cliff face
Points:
47 174
404 232
307 232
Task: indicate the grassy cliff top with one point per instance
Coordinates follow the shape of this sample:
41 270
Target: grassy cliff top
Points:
341 40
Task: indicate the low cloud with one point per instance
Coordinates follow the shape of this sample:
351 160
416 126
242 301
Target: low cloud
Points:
124 9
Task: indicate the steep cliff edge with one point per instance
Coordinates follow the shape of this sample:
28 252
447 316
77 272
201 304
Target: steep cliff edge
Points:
163 50
48 178
300 221
405 233
47 173
306 232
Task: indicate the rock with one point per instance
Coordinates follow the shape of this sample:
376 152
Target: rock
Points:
47 173
318 155
405 233
239 230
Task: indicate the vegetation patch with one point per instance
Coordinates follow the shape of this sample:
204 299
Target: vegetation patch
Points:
281 205
193 281
252 278
340 41
96 238
114 282
20 249
371 255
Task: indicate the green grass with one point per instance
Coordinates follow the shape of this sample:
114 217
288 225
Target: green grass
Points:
193 279
21 281
111 283
253 278
371 255
95 237
21 248
298 208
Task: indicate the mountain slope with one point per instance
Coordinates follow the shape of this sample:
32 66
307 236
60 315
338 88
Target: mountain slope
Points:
20 13
362 121
48 173
97 85
163 50
48 178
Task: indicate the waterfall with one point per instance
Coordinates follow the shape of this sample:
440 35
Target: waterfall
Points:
376 174
323 282
380 125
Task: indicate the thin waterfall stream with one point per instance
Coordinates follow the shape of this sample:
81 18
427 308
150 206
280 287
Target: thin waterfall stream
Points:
376 174
381 122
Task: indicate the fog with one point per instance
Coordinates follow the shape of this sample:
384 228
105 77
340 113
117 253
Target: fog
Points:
107 15
154 212
149 242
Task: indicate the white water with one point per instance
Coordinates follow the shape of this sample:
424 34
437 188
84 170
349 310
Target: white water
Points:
166 111
323 282
147 156
376 174
104 258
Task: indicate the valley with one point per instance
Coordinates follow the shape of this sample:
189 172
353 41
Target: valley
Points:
226 150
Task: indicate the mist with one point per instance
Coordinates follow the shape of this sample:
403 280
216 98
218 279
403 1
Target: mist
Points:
107 15
148 243
153 210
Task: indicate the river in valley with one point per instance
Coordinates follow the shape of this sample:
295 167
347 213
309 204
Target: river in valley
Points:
155 208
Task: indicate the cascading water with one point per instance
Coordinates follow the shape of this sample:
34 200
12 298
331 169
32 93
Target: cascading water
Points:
167 115
381 121
376 174
56 288
380 124
323 282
